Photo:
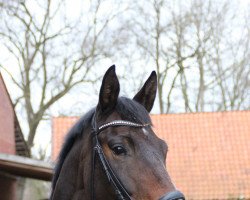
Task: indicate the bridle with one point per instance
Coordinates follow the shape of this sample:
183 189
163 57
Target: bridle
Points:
120 190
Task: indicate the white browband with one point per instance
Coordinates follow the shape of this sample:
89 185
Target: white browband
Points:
121 123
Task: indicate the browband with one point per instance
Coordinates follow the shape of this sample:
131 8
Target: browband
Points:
120 123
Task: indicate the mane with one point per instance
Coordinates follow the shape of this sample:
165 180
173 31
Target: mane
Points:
128 110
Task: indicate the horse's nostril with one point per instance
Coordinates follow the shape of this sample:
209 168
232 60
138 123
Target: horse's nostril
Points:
175 195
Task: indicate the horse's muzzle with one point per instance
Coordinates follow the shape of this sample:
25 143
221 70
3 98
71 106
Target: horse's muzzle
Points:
175 195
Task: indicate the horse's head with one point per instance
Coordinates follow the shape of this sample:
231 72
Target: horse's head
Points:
133 152
113 153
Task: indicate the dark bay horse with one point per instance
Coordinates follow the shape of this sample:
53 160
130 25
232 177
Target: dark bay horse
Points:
112 152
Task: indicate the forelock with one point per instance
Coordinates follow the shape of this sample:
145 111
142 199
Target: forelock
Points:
132 111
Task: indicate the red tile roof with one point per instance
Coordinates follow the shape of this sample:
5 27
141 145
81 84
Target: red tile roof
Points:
60 127
209 153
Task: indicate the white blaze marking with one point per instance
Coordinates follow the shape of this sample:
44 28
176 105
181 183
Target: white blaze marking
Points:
145 131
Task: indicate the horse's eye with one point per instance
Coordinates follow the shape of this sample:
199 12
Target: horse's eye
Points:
119 150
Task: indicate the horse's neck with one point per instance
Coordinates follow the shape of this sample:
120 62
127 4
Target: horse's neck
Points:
70 182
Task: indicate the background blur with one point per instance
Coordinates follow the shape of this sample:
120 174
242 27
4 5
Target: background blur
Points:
54 54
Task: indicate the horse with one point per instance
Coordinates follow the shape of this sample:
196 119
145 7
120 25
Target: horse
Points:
112 152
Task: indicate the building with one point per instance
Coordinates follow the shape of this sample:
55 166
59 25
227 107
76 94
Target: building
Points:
209 153
14 153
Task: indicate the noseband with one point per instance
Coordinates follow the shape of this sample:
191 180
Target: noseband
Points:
120 190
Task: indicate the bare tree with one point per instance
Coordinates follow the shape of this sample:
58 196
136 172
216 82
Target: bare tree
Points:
53 53
231 64
200 64
160 36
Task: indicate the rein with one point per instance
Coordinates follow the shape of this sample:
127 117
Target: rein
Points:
120 190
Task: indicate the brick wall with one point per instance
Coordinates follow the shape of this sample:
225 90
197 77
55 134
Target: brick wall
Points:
7 135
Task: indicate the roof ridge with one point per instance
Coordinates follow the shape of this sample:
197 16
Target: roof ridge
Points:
203 113
55 117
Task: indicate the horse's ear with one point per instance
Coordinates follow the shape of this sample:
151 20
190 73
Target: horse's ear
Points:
146 96
109 91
